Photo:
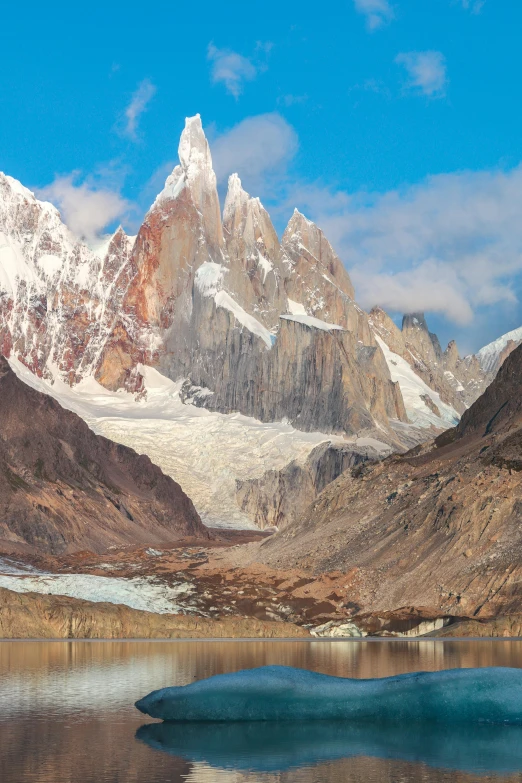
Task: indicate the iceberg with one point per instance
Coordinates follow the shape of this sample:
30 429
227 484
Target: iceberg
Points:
275 747
280 693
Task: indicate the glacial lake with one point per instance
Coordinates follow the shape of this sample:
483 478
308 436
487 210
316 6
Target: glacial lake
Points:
67 716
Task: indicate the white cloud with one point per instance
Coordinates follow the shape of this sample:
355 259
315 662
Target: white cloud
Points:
450 245
257 148
230 68
138 104
377 12
426 72
86 209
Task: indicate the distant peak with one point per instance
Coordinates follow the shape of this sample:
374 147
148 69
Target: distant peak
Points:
414 321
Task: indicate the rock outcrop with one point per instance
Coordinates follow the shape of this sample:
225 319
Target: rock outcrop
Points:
459 382
36 616
280 497
437 527
63 488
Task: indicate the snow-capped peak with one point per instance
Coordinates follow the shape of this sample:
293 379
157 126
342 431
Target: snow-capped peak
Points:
489 355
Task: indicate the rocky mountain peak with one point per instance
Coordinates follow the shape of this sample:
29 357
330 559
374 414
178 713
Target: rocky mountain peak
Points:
387 330
314 275
193 149
451 356
423 343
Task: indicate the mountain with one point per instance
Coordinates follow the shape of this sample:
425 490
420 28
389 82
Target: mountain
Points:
237 321
448 384
492 356
63 488
437 527
250 324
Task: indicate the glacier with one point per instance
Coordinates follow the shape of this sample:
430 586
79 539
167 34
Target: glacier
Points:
275 747
491 695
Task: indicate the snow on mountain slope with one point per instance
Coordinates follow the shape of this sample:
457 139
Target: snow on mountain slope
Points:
490 355
309 320
137 592
57 296
205 452
420 401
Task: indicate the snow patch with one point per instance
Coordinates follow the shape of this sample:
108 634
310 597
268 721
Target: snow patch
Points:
265 265
413 390
209 278
174 184
488 355
137 592
50 265
204 451
313 323
296 308
224 300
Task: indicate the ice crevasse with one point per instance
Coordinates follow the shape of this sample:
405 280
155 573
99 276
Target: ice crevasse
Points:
486 695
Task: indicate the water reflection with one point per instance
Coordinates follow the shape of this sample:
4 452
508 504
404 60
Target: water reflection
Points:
67 714
279 747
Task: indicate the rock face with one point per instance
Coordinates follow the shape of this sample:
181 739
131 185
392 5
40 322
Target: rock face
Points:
438 527
457 382
57 298
63 488
31 615
253 326
280 497
250 324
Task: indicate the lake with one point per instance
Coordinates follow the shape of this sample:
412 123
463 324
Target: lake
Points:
67 716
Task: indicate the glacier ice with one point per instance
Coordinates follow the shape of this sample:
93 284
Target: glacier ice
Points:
275 746
271 693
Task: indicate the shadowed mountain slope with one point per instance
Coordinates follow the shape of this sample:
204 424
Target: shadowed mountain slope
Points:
63 488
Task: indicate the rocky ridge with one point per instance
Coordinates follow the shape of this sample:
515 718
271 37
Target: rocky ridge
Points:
252 324
458 381
437 527
63 488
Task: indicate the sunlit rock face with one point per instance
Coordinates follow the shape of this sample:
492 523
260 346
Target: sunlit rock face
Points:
57 297
458 381
251 324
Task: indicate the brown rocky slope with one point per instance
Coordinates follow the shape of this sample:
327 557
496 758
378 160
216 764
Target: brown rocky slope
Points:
437 527
63 488
36 616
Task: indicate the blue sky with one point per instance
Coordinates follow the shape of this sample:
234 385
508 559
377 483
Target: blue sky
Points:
395 125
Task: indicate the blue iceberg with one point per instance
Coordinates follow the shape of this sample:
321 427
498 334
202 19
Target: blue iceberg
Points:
280 746
281 693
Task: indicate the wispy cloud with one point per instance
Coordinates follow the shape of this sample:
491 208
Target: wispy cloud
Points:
138 104
426 72
377 12
230 68
86 208
451 244
475 6
292 100
258 148
233 69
